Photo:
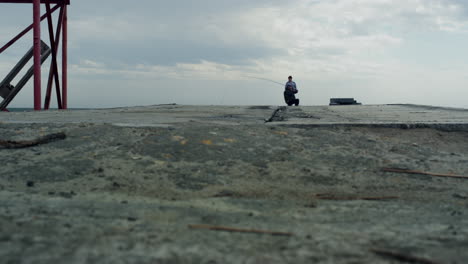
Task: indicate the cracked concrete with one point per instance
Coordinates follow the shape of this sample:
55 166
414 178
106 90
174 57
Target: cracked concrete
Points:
126 183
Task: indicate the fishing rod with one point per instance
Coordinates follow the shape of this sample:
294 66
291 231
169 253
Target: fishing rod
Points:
253 77
264 79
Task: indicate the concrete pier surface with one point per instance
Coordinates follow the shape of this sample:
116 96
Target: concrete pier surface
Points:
127 185
164 115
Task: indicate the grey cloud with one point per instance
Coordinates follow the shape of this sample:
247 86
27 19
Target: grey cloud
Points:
170 52
185 40
170 9
462 4
179 45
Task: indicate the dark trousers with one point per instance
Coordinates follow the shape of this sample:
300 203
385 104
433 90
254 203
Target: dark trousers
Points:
290 98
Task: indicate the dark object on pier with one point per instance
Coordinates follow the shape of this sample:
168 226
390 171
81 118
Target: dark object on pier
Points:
343 101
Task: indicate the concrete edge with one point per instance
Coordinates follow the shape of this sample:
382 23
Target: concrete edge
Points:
432 107
448 127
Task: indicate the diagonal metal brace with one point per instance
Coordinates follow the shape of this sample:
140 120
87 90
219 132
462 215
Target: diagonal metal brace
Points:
7 90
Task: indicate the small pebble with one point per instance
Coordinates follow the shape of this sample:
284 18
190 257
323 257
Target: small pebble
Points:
224 193
66 195
30 184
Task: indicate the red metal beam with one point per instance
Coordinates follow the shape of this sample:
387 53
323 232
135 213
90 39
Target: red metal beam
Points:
37 54
66 2
25 31
37 18
53 46
65 58
53 73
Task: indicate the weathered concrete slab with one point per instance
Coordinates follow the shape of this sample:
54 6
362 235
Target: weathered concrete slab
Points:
125 185
165 115
404 116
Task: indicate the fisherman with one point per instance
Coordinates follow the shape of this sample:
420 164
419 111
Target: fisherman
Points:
290 89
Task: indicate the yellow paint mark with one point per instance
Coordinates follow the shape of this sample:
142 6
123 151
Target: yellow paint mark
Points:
184 142
282 133
160 163
207 142
229 140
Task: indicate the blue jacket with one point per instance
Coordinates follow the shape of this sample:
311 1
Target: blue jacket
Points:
291 86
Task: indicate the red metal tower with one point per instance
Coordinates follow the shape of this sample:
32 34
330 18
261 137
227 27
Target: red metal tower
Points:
54 46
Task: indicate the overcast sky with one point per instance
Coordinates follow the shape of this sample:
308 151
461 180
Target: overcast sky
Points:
125 53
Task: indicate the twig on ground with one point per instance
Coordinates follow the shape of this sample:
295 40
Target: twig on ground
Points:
379 198
346 198
402 257
11 144
232 229
424 173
